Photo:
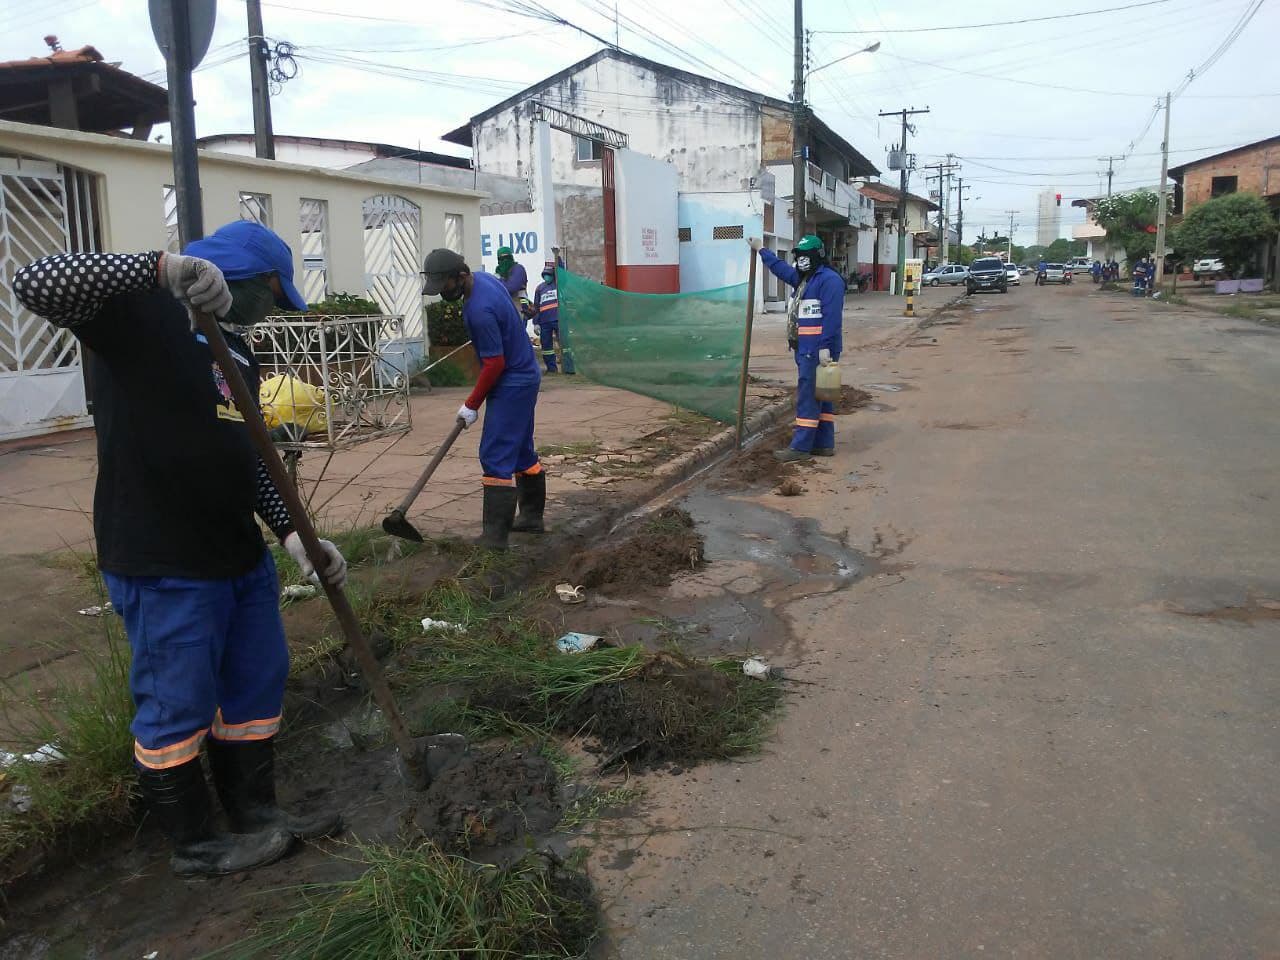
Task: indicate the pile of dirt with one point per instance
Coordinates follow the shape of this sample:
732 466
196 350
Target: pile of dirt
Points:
756 467
645 554
490 799
851 398
674 709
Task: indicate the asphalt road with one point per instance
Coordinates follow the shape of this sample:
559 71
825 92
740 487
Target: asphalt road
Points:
1045 724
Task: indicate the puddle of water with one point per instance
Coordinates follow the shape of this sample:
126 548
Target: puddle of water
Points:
886 387
879 407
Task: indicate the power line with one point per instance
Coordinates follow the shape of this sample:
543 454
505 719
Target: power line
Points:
1007 23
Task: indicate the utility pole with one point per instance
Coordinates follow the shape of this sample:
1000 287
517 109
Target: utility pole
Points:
946 202
1012 227
1163 209
902 192
799 157
1110 162
960 189
264 140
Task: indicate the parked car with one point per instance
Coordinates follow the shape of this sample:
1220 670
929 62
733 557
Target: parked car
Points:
1025 270
1013 273
1057 273
987 273
1209 268
1080 264
952 273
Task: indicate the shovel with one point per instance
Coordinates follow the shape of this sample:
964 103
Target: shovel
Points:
395 522
420 758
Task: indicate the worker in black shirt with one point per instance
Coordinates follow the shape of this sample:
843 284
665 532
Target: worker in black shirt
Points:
181 553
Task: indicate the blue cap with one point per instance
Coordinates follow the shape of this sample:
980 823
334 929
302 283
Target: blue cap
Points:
245 249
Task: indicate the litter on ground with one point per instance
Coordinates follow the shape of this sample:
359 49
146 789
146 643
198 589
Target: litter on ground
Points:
576 642
428 624
568 593
757 668
298 591
97 610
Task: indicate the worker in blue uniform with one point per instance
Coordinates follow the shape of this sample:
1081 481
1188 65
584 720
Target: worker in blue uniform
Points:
516 279
815 321
546 301
508 386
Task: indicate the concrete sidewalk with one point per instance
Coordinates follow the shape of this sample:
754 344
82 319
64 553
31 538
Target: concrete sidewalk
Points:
597 437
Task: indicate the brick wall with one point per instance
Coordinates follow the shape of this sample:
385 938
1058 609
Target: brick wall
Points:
1257 170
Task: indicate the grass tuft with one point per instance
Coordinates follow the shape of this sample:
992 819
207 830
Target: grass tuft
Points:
421 902
88 721
596 803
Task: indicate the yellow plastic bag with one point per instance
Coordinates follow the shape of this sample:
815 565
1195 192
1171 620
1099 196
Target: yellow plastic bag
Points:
287 400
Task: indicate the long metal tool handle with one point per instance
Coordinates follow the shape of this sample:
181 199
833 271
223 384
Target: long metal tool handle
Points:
247 404
416 489
746 348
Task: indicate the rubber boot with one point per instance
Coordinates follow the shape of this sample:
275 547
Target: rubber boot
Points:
790 455
499 514
531 497
824 451
179 800
244 775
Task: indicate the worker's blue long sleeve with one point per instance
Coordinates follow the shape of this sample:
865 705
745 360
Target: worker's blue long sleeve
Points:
779 267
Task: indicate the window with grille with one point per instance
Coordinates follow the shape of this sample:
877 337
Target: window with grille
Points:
313 226
453 232
587 150
727 233
1221 186
170 199
256 207
686 234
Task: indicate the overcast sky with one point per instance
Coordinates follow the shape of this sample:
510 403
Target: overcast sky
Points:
1025 107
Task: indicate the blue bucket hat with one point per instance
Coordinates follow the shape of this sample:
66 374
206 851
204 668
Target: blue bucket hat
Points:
245 249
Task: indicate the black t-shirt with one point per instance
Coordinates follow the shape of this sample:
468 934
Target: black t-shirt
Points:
177 475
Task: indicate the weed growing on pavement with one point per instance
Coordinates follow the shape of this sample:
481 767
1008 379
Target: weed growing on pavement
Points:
422 902
595 804
578 448
88 722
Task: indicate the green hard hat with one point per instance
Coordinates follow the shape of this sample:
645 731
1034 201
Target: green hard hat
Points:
504 252
810 243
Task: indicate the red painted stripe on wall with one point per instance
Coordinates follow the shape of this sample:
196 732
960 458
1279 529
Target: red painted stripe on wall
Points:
649 278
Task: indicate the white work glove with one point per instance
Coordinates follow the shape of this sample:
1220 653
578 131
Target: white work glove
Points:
824 356
335 573
467 415
196 283
755 243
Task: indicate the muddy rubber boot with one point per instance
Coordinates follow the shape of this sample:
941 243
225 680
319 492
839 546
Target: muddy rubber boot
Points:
531 498
824 451
499 514
245 777
790 455
179 800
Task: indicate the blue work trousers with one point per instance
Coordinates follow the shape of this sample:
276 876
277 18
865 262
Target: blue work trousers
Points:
209 659
549 332
815 421
506 441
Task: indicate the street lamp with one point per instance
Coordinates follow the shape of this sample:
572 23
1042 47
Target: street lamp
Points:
869 48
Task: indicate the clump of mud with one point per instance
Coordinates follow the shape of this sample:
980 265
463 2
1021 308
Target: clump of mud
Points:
489 799
646 554
675 709
851 398
791 487
757 467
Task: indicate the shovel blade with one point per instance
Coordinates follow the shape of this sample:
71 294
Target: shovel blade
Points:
395 524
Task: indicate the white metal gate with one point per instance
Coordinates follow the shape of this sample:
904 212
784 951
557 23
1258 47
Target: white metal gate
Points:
45 208
393 258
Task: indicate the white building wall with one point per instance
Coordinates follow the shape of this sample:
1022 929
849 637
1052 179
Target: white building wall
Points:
326 156
710 142
707 263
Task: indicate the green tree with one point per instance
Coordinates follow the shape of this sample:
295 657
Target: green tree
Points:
1231 227
1126 217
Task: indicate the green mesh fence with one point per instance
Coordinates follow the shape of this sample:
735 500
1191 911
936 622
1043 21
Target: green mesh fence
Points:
684 348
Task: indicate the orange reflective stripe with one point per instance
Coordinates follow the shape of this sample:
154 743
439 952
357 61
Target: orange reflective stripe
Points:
548 306
802 422
809 331
498 481
827 416
532 471
249 730
174 755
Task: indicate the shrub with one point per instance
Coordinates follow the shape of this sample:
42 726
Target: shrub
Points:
444 324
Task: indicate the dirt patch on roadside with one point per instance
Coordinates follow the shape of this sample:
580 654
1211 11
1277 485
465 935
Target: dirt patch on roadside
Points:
851 398
757 467
490 799
646 555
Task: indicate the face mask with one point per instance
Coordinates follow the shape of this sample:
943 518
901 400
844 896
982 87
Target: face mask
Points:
452 291
804 264
251 302
549 277
504 267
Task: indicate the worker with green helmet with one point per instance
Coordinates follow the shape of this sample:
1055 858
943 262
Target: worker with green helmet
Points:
815 320
516 279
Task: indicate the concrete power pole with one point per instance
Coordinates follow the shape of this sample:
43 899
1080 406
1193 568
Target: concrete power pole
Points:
1110 162
799 135
1012 227
1163 209
902 196
264 140
946 203
960 189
